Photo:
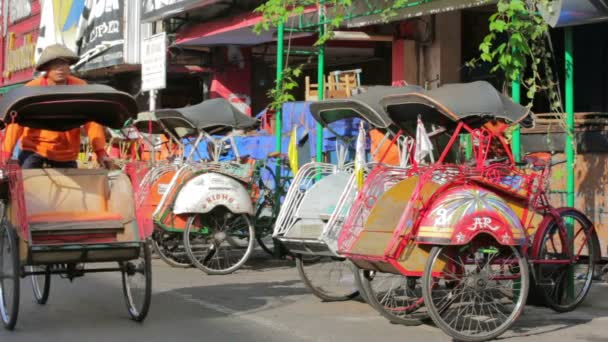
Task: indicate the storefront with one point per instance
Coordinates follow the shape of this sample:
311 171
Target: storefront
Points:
20 23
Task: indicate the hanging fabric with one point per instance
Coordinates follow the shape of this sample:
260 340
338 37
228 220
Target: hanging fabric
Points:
360 156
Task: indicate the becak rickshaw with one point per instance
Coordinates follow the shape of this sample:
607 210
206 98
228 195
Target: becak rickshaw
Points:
175 132
61 221
209 203
321 193
469 235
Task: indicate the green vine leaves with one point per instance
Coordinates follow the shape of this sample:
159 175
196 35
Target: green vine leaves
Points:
288 83
517 46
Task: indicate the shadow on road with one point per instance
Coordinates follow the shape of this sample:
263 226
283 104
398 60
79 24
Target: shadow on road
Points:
241 298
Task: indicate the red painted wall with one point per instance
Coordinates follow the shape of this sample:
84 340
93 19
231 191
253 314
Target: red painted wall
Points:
29 25
398 70
232 80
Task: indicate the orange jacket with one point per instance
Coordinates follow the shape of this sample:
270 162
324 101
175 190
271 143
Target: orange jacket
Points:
57 146
392 157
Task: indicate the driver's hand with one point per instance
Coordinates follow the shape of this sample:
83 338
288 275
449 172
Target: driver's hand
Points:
107 163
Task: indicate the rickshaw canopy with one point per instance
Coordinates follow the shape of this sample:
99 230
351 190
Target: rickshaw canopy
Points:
165 121
61 108
205 116
365 106
474 103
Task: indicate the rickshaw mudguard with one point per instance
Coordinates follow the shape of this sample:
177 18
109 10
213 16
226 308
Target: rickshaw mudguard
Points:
317 205
461 213
207 191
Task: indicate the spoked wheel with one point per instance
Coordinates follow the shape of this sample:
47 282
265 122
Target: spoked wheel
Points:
264 224
397 298
563 286
329 278
266 243
137 283
170 247
475 292
219 242
41 284
9 277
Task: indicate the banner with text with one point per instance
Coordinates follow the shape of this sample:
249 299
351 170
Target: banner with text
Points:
101 34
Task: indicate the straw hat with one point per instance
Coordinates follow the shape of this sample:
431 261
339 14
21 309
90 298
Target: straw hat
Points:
56 51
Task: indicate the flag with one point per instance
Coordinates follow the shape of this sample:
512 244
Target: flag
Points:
360 156
292 151
423 143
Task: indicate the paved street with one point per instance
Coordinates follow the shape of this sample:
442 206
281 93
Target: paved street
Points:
264 302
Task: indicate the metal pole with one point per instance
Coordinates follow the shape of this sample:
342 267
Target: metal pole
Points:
152 108
570 141
278 249
321 78
279 80
569 148
516 137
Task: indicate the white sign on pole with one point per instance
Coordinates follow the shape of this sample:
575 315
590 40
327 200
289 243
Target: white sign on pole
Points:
153 62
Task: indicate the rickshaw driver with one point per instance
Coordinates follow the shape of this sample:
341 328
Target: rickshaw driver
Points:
40 147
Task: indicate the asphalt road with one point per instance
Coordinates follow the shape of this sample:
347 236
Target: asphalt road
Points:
263 302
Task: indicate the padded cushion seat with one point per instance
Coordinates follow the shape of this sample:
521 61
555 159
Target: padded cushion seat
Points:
68 221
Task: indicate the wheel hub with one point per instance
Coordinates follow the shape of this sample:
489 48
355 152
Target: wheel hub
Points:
477 281
220 236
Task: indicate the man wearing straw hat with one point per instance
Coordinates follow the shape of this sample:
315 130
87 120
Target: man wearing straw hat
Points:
40 147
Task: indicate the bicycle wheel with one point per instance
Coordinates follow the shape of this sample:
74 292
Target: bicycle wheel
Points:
264 222
137 283
170 248
268 208
41 284
397 298
219 242
9 277
564 286
330 279
479 292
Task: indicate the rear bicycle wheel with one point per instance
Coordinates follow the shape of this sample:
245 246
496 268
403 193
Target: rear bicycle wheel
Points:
219 243
170 248
41 284
564 286
9 276
330 279
477 291
397 298
137 283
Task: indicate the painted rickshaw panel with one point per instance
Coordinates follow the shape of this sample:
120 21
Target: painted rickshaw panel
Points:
412 259
87 197
384 217
462 212
377 181
157 189
207 191
164 217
